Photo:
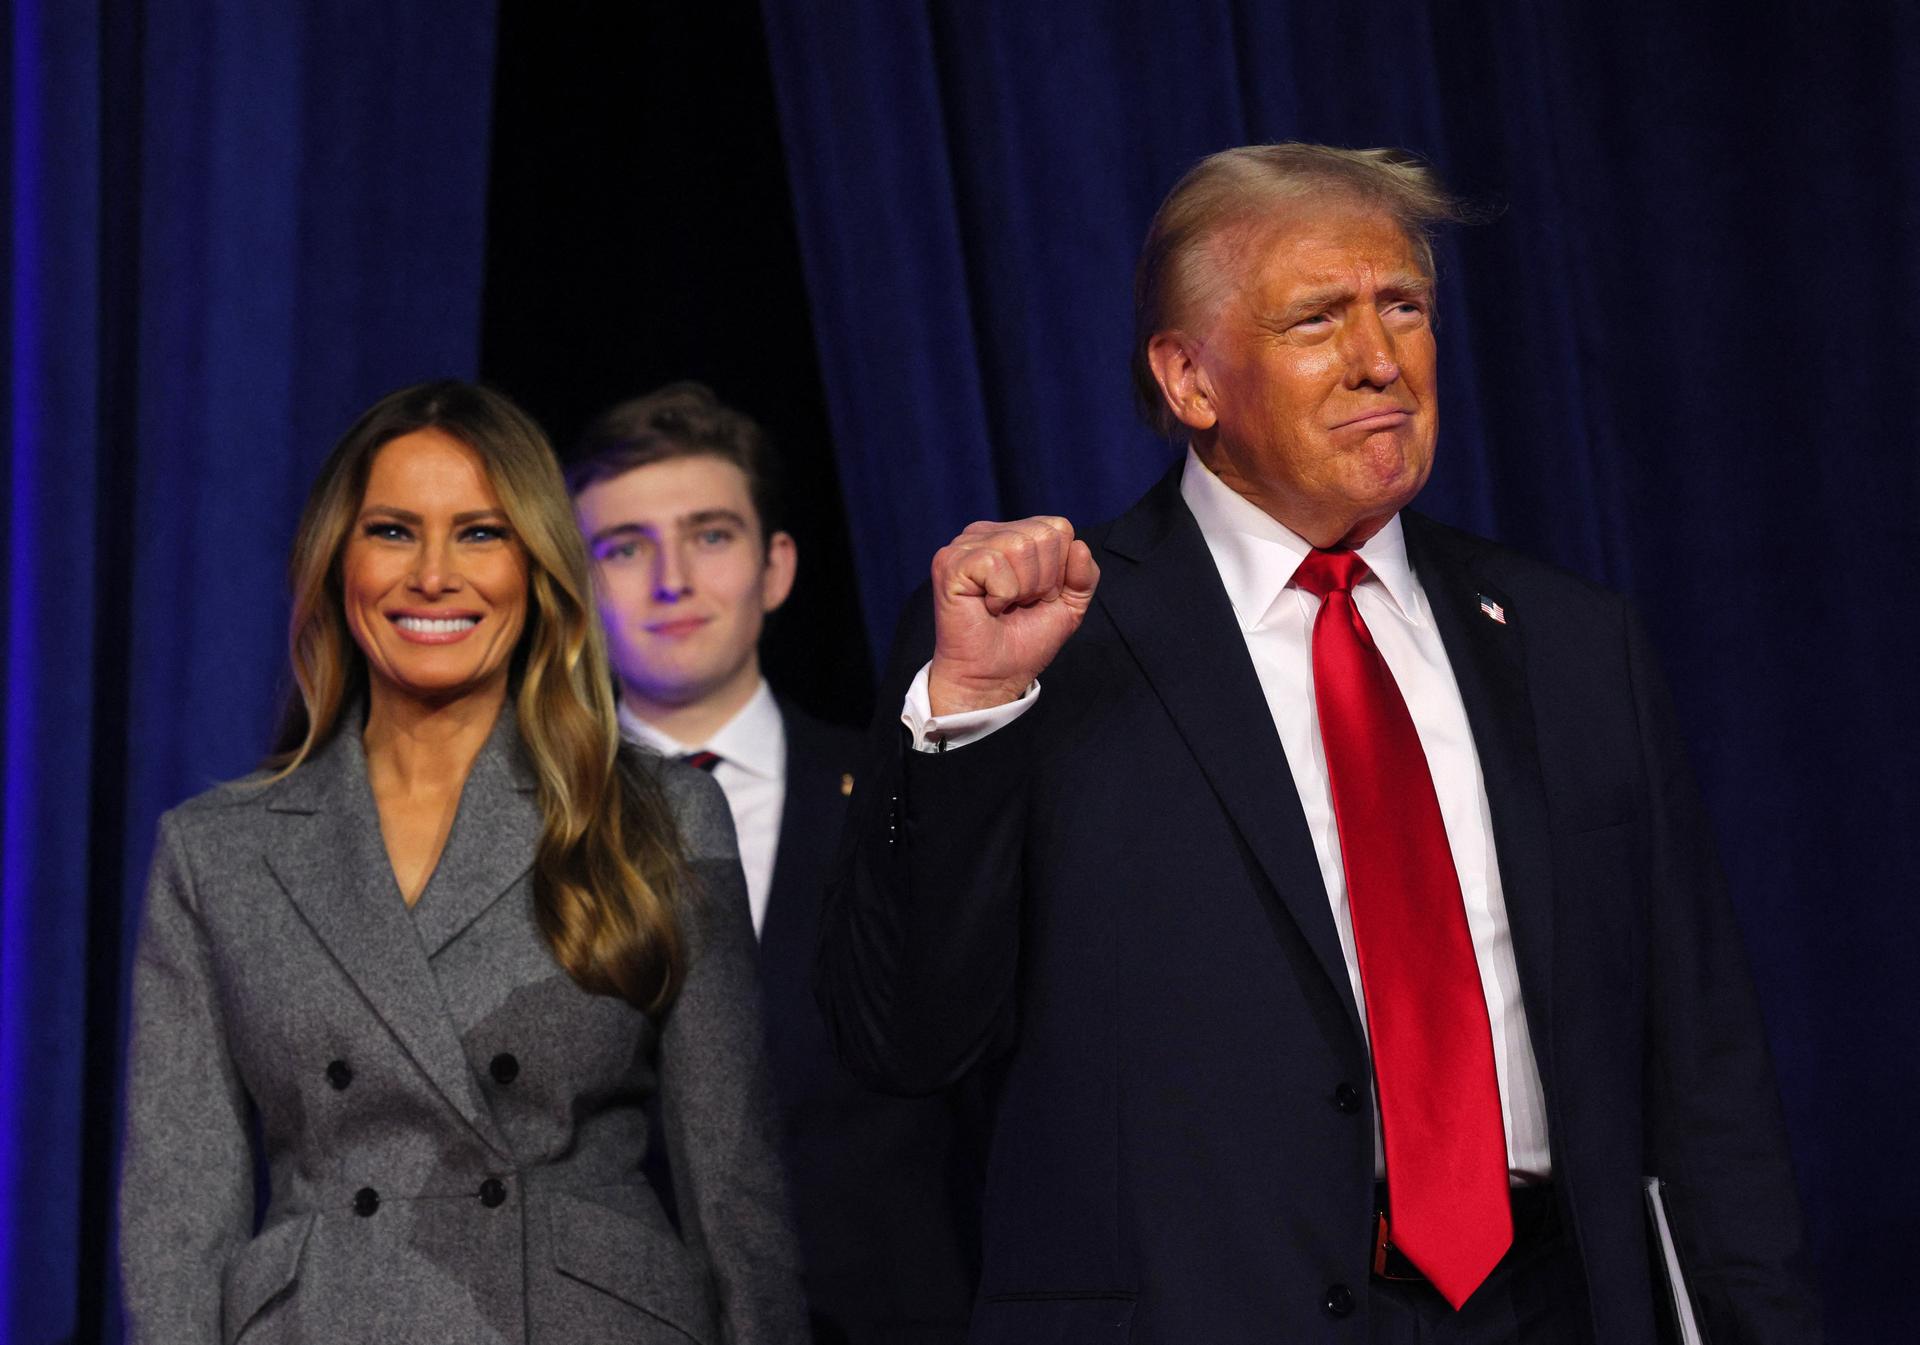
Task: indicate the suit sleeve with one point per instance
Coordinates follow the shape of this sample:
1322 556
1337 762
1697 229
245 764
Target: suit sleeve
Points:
716 1098
1715 1132
919 937
186 1185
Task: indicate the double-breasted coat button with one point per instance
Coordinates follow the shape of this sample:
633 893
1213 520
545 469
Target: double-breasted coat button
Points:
339 1074
504 1068
1338 1302
1347 1098
365 1201
493 1193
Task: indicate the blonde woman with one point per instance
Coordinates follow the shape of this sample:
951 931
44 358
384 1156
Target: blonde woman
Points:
429 968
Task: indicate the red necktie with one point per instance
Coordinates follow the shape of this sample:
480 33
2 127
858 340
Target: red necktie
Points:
701 761
1426 1014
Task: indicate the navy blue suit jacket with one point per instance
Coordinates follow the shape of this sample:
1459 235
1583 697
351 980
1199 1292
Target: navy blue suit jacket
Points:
1114 906
884 1188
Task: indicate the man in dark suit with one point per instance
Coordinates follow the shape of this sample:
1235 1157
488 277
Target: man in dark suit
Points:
672 491
1324 888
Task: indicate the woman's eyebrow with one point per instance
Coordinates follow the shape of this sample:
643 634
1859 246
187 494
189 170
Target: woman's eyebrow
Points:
389 511
409 516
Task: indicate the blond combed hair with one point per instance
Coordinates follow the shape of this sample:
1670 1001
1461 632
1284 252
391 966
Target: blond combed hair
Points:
1196 246
609 872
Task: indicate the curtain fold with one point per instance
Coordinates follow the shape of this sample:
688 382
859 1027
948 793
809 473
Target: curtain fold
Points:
1675 359
888 274
232 227
51 283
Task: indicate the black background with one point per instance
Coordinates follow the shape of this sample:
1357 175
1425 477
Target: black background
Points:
640 231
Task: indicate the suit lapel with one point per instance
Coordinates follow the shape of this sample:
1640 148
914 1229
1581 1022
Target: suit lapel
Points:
780 925
1489 664
332 863
1164 596
492 842
807 814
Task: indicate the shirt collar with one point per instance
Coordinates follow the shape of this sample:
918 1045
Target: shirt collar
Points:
1256 554
755 739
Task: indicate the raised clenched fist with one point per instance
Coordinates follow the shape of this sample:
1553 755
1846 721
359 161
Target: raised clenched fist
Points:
1005 598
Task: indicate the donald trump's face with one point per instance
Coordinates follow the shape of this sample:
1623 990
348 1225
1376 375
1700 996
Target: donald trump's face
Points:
1310 388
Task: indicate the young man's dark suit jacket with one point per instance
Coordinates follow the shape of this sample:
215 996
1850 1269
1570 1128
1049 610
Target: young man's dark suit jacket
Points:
1115 900
884 1188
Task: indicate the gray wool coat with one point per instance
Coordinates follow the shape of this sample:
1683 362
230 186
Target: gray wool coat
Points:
452 1128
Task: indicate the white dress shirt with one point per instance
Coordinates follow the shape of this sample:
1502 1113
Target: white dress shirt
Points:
752 771
1256 558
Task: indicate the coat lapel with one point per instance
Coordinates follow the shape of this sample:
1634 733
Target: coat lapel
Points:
1163 593
332 862
1489 664
492 843
810 821
810 817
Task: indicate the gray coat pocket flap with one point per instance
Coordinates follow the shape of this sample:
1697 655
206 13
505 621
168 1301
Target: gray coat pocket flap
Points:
259 1273
645 1267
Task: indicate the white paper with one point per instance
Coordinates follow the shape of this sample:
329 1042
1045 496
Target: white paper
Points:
1676 1282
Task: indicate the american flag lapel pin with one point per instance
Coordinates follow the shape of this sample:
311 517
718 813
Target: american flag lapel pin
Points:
1492 610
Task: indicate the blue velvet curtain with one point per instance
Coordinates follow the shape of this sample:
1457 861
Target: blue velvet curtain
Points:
1680 361
231 227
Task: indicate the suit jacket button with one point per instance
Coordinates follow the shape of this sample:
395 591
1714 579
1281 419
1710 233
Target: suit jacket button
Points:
504 1068
493 1193
1339 1300
1347 1098
365 1201
339 1074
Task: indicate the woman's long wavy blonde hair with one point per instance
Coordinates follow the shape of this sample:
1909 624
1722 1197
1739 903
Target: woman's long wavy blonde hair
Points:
610 872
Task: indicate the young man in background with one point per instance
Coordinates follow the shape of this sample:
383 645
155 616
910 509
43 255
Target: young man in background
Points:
673 492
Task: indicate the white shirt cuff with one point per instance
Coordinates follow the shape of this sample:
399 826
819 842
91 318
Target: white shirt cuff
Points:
933 733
